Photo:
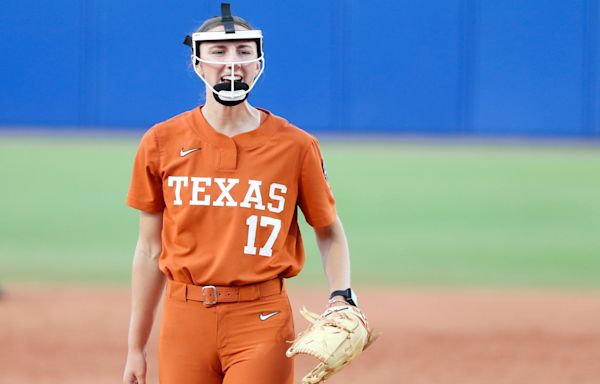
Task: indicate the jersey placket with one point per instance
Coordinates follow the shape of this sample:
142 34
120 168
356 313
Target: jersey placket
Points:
227 152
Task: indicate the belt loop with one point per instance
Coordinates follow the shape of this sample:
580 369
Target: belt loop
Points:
257 294
185 293
169 289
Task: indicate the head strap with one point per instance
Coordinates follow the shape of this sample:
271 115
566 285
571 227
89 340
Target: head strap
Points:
226 18
188 41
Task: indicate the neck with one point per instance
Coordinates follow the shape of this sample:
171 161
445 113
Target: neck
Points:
230 121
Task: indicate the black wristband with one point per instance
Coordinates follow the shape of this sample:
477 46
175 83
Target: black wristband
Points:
347 294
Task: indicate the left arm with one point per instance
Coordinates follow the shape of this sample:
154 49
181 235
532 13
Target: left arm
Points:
335 255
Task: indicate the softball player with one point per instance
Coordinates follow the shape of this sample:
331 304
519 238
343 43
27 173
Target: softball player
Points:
218 188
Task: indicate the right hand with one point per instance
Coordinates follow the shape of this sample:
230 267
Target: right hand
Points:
135 368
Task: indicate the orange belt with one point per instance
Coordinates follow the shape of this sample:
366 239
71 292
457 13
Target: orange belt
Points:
211 295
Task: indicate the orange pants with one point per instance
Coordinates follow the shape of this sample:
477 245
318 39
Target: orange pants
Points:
226 343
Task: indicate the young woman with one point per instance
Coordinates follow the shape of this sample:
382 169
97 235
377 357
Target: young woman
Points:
218 188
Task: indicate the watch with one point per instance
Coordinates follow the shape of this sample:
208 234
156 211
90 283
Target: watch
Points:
348 294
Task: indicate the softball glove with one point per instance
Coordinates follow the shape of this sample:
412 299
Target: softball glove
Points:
335 337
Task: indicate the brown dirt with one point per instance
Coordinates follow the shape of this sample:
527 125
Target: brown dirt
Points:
78 335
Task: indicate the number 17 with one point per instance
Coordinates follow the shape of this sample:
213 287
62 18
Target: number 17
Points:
251 222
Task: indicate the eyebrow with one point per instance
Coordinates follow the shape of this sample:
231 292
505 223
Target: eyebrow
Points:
238 46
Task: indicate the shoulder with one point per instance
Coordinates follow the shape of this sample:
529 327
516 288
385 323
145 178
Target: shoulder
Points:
171 132
173 124
291 133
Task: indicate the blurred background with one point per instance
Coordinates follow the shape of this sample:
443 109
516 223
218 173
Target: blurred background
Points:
478 120
461 139
452 66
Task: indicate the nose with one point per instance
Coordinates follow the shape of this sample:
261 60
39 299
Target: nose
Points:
233 56
232 70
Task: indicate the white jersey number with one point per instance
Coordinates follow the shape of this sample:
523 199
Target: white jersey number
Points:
252 222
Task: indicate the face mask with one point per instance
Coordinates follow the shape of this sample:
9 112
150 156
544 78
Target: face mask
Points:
228 93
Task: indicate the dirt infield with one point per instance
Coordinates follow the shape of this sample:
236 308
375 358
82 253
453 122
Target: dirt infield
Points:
78 335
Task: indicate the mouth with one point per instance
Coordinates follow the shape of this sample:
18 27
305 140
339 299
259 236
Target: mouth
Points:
230 78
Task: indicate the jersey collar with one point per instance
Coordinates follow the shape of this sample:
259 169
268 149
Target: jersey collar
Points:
250 139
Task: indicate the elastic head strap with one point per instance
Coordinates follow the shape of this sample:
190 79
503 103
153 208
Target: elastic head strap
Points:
226 18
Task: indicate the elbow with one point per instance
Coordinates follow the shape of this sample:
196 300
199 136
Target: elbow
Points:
148 251
331 231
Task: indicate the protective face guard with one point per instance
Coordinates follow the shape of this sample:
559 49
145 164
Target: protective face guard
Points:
232 92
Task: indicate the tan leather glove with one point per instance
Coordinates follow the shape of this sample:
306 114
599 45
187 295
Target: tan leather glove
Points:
335 337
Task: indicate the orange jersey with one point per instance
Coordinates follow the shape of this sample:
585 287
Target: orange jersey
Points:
230 203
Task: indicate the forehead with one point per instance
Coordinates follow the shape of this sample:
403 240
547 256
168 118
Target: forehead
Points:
230 43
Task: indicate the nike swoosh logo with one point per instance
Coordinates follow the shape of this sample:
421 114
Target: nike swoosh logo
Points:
267 316
184 153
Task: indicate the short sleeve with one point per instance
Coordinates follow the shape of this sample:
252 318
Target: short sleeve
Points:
145 190
315 197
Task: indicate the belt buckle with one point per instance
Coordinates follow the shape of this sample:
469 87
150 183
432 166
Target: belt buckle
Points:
214 295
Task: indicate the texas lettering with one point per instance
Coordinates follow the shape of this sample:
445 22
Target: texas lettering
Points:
202 191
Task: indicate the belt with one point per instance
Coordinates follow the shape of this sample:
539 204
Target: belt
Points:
211 294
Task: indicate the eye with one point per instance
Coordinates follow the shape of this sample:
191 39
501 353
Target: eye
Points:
216 52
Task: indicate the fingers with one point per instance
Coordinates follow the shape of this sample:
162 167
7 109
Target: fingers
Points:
139 378
134 378
135 369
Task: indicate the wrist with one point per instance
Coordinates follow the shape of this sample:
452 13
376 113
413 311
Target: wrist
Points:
348 295
136 350
337 301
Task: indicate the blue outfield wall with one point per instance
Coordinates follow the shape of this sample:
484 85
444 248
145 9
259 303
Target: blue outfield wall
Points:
442 66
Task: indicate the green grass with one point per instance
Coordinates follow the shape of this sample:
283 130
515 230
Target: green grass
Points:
415 214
